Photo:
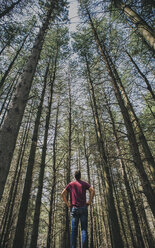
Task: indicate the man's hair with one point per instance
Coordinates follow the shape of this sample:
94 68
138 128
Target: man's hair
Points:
78 174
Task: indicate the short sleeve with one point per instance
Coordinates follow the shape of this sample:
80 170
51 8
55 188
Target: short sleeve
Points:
87 185
68 187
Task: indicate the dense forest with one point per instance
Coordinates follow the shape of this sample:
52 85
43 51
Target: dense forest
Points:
69 100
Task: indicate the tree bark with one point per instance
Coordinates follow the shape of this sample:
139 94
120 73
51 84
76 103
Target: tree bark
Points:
107 241
8 100
2 50
9 95
19 234
125 105
120 214
129 193
67 222
15 183
49 237
12 63
34 235
89 181
112 214
11 125
129 219
142 75
119 90
145 224
143 28
9 8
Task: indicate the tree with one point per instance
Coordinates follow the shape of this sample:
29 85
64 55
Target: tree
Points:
90 107
142 27
118 88
12 62
11 125
8 8
42 166
19 234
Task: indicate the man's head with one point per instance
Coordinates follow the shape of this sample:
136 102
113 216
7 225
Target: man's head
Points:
77 175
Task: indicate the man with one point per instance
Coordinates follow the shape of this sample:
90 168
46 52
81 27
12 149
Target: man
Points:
78 207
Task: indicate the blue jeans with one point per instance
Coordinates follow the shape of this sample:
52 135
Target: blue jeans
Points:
82 214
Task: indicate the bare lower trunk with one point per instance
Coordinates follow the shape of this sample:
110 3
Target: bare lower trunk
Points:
49 236
15 184
67 223
34 235
88 173
19 234
129 193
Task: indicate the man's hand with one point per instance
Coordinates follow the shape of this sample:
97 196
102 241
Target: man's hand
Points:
92 193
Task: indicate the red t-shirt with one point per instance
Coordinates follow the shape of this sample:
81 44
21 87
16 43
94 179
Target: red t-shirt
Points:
77 191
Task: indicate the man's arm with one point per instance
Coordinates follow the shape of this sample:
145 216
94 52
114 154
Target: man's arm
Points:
64 196
91 195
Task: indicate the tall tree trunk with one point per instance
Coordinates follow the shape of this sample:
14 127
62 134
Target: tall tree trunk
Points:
7 217
67 222
146 99
9 8
100 224
129 193
9 94
142 75
143 28
120 213
34 236
89 181
49 237
125 105
8 100
145 224
2 50
12 63
19 234
129 220
112 214
96 227
104 210
15 184
11 125
133 118
148 191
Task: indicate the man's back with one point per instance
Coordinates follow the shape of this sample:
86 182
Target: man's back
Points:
77 191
